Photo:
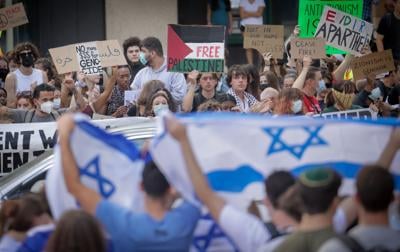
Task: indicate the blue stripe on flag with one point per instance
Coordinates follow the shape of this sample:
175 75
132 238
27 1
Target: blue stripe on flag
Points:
210 116
237 180
115 141
234 180
346 169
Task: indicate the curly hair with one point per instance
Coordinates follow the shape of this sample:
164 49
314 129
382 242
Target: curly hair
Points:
26 46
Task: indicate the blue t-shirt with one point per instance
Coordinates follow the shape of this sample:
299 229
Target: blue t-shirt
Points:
37 239
132 231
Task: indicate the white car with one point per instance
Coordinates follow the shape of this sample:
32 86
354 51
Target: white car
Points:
24 178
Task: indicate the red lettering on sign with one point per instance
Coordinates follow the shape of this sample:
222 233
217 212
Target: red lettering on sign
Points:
330 16
13 10
207 52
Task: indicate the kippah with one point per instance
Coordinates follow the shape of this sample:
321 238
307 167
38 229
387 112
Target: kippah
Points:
316 177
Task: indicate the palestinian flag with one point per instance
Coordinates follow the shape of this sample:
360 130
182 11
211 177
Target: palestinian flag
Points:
198 48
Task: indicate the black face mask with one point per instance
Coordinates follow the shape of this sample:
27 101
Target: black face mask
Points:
27 59
264 86
3 73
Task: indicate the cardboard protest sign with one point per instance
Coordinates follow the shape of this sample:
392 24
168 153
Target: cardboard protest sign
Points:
88 57
131 96
376 63
265 38
23 142
13 16
310 12
313 47
344 31
351 114
64 59
198 48
111 53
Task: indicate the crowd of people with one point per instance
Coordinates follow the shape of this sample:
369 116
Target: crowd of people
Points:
306 213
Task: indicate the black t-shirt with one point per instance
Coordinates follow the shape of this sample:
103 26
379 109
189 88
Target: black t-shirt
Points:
389 27
361 99
391 94
198 99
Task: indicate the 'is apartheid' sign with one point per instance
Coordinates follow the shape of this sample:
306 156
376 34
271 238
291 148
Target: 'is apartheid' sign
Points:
198 48
344 31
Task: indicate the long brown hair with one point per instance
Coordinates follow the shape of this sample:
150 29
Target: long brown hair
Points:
285 100
77 231
19 214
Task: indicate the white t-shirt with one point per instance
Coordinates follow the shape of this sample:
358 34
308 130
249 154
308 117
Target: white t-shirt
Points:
244 229
251 7
24 82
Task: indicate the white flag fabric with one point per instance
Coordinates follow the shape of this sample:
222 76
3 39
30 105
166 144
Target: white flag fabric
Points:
108 164
237 152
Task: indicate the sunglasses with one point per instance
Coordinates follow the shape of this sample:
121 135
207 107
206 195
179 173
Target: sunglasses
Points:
24 94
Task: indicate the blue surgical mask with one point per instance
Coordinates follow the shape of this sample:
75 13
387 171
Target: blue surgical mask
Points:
142 58
297 106
56 103
159 108
375 94
321 86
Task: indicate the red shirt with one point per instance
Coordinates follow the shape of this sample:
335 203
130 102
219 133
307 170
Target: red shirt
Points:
311 104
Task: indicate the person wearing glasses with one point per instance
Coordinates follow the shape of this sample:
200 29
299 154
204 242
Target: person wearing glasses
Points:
26 75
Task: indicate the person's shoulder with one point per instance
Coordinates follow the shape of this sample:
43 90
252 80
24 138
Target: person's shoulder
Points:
333 244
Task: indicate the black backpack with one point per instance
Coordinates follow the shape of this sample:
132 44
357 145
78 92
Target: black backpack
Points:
355 246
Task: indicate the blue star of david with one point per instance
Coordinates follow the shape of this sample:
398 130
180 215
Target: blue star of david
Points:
297 150
106 187
202 242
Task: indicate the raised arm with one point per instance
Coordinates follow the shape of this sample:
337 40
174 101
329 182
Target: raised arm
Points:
87 198
209 198
338 74
391 148
103 98
11 88
299 82
187 104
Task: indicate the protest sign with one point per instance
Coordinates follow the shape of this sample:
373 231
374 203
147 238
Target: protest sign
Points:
23 142
88 57
64 59
265 38
111 53
344 31
13 16
351 114
131 96
198 48
310 12
376 63
313 47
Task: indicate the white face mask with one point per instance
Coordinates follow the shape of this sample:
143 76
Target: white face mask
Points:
46 107
159 108
57 103
297 106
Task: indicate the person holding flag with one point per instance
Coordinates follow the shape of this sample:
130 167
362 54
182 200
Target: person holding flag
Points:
159 228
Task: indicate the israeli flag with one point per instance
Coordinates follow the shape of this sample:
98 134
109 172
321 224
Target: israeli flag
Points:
237 152
108 164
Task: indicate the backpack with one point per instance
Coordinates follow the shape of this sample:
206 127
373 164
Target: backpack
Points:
31 113
355 246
